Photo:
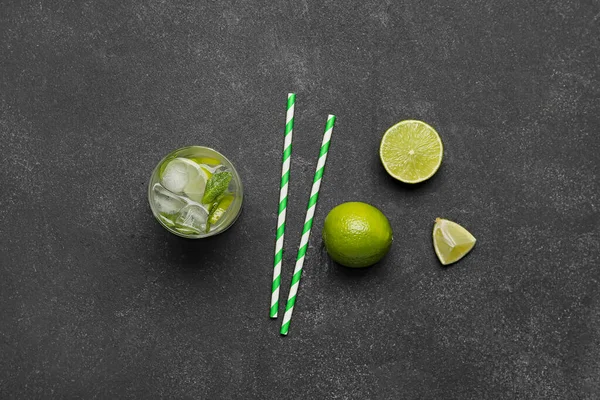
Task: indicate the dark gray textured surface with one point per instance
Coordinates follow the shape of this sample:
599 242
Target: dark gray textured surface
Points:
98 301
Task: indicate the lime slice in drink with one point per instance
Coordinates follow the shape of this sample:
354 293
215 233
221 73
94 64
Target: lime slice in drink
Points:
207 164
196 185
451 241
411 151
219 208
216 186
186 231
207 171
206 160
167 219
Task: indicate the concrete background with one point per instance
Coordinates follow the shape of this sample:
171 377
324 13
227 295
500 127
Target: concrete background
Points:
97 301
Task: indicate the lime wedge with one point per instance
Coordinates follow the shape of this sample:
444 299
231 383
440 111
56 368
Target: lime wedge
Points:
216 186
411 151
219 208
451 241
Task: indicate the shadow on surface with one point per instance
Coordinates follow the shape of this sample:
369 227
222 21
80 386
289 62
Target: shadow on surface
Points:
342 273
429 185
194 253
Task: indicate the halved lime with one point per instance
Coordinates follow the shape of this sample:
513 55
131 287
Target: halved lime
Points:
451 241
411 151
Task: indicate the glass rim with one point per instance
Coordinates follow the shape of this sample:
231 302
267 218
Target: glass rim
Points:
239 195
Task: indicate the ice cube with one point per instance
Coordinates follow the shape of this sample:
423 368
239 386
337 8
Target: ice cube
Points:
179 173
193 217
165 202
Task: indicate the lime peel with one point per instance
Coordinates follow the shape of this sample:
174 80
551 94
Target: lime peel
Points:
357 234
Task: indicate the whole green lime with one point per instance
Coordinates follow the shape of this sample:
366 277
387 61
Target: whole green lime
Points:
357 234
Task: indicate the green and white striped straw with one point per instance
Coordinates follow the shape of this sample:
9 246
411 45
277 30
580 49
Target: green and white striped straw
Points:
308 221
283 192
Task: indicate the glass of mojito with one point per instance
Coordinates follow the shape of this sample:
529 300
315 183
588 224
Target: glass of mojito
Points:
195 192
